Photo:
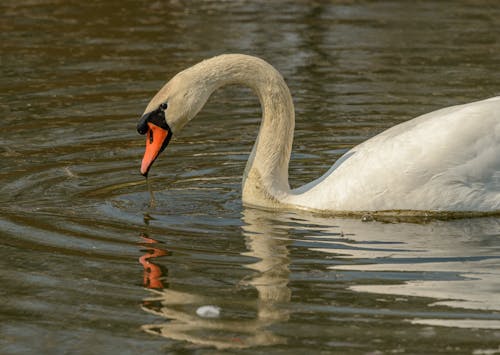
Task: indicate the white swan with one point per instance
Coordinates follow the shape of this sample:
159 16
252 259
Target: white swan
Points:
445 161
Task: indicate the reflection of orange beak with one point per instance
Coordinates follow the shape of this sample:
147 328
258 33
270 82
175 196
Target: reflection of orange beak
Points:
157 140
153 273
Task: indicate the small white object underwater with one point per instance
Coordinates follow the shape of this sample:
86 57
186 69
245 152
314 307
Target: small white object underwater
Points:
208 311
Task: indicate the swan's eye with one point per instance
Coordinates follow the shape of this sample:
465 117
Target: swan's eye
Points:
163 106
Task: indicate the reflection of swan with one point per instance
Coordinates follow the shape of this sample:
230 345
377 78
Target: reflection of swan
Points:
265 243
447 160
270 282
460 250
456 262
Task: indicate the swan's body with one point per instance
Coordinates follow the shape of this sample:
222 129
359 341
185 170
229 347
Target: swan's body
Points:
444 161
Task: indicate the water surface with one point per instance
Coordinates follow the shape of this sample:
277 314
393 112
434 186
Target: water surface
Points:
89 267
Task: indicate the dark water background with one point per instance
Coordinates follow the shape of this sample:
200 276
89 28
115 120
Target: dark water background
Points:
88 267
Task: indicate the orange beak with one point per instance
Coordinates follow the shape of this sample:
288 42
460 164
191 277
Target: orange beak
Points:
157 139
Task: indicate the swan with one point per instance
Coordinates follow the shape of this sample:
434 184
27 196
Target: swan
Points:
444 161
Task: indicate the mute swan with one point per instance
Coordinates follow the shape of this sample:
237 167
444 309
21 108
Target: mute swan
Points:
444 161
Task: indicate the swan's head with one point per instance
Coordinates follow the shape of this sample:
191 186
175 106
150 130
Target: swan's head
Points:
168 112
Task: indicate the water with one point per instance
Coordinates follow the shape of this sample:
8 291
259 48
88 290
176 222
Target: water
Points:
88 266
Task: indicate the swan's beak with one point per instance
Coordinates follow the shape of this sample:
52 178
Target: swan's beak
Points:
157 139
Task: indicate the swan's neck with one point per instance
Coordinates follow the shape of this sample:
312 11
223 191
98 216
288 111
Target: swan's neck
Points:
265 181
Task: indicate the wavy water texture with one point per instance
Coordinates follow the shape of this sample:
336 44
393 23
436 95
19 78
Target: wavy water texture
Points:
87 263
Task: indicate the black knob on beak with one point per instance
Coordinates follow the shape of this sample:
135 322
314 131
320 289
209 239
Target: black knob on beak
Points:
156 117
142 125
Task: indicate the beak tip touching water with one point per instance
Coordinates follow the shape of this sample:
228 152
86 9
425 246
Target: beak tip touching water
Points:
145 168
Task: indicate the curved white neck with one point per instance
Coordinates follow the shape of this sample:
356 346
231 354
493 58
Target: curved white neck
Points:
265 181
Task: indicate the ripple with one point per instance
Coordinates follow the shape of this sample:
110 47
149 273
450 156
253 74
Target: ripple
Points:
84 256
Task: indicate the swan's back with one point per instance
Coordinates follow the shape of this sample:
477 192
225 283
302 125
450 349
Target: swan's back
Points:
446 160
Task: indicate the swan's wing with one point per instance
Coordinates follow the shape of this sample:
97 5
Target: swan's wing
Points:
445 160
